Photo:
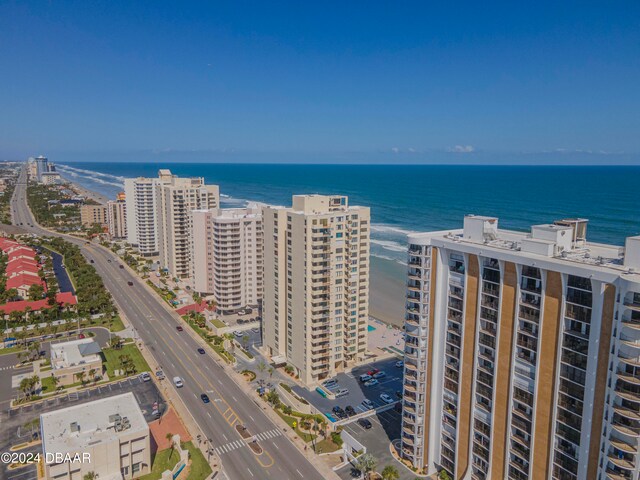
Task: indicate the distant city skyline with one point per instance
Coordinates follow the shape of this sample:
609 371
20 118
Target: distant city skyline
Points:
337 83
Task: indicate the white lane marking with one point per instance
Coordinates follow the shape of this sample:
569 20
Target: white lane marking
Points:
250 472
299 472
252 419
211 417
225 437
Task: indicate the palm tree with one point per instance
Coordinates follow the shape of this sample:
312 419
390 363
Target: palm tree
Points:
56 381
271 370
90 476
366 463
262 366
169 437
390 473
92 375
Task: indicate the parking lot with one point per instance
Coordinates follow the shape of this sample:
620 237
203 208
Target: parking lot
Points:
19 426
358 392
385 427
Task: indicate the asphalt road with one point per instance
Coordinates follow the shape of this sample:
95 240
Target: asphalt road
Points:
176 352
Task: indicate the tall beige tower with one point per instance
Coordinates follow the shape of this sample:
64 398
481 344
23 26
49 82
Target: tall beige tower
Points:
316 284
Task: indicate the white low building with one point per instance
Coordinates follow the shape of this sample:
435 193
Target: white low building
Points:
70 359
109 437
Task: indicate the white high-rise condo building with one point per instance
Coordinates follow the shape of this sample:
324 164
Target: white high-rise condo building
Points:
227 256
522 356
177 198
42 166
159 216
316 284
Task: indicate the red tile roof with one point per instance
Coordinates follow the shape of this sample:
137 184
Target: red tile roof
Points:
19 306
194 307
22 280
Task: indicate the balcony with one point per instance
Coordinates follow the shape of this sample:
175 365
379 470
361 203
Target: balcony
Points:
629 378
617 474
627 413
625 447
621 462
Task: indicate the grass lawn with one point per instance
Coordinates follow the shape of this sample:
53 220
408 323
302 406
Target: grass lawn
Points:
162 462
304 436
47 384
200 469
117 325
7 351
218 323
326 446
113 361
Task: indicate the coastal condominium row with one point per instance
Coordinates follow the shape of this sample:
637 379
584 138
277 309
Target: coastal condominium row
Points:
522 356
308 264
159 216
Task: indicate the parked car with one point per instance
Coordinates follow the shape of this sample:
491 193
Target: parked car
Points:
121 266
398 393
201 351
399 364
365 423
255 330
371 383
91 261
205 398
177 381
342 393
330 383
386 398
179 328
373 372
379 375
349 410
145 377
238 333
365 378
339 412
398 407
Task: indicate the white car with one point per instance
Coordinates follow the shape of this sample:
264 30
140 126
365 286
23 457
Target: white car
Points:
365 378
399 364
386 398
238 333
177 381
371 383
367 404
145 377
379 375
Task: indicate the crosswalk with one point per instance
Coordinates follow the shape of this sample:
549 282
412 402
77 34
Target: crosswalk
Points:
7 368
260 437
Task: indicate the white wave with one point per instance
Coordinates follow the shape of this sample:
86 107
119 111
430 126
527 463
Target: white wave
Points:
390 245
391 259
90 173
384 228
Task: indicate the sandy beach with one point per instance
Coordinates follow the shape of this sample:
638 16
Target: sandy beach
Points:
87 193
386 298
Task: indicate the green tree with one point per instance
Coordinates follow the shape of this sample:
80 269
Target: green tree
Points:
36 291
366 464
443 475
90 476
262 366
390 473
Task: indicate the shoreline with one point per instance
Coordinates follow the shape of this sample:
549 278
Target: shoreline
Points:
387 277
98 197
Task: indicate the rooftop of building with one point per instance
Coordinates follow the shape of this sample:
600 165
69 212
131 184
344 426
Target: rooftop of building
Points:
74 352
562 240
317 204
74 429
62 299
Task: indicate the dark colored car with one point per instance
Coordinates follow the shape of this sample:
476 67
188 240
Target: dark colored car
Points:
201 351
339 412
398 394
121 266
398 407
373 372
130 283
205 398
365 423
91 261
179 328
350 410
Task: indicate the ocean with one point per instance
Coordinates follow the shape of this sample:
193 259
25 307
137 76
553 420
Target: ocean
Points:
410 198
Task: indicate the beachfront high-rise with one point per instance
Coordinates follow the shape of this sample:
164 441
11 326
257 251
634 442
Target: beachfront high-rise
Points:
522 356
227 256
177 198
316 284
117 216
159 215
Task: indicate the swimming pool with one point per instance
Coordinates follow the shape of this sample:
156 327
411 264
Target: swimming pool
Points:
370 328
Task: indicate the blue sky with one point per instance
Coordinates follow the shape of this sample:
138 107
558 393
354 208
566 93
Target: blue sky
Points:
344 81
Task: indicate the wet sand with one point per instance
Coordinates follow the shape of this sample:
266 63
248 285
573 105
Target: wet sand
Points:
87 193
